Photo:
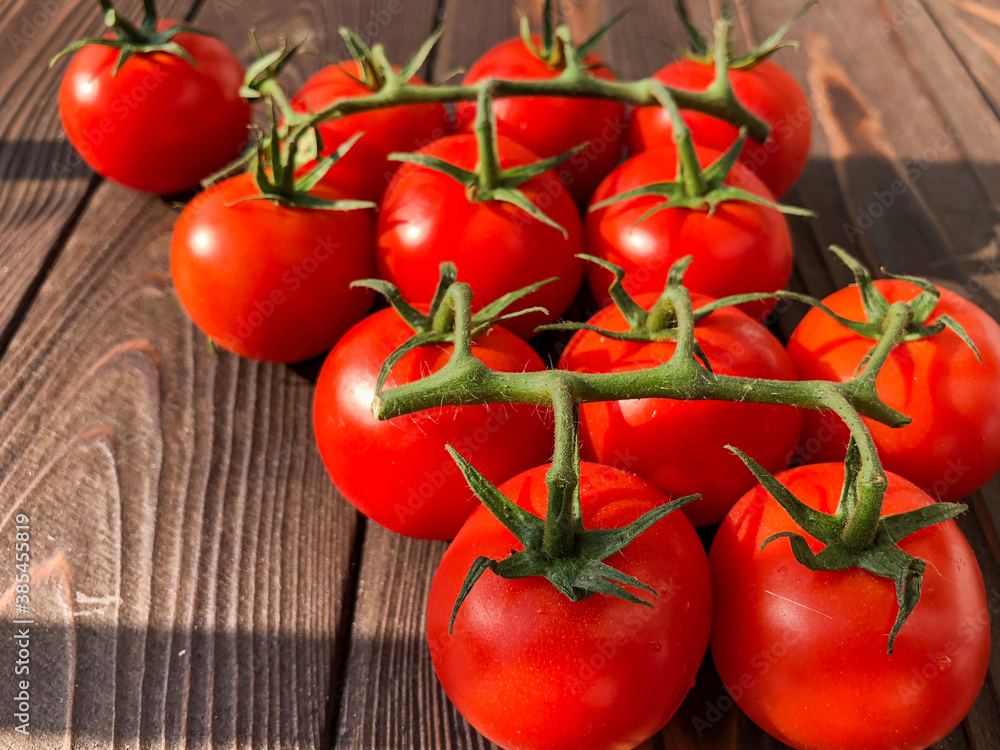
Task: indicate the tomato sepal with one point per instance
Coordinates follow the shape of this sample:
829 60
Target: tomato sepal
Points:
882 558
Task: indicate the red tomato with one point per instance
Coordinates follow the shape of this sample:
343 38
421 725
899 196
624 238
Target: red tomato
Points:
531 669
365 168
397 472
804 653
741 247
952 447
550 126
267 281
680 445
160 124
427 218
767 90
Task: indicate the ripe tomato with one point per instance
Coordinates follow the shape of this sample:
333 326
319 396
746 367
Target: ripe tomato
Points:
267 281
427 218
365 168
804 653
680 445
952 447
531 669
160 124
397 472
550 126
741 247
767 90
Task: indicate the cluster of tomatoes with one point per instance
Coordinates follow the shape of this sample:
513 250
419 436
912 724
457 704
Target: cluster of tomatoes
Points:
270 278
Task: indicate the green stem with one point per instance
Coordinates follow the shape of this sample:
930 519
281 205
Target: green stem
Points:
571 83
689 172
152 15
486 141
561 478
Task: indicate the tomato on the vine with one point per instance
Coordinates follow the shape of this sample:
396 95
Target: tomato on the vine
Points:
428 218
739 247
364 169
804 653
680 446
397 472
952 446
531 669
766 90
270 281
160 124
550 126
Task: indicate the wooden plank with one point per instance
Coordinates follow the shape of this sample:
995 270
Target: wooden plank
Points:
192 560
43 182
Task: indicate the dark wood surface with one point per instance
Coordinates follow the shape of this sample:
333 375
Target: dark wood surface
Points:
196 580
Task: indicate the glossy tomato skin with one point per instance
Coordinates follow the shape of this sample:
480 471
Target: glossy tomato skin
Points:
159 125
365 170
680 446
426 218
741 247
532 670
550 126
267 281
397 472
804 653
952 447
767 90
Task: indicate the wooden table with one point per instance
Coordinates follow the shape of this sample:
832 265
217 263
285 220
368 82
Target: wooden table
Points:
196 581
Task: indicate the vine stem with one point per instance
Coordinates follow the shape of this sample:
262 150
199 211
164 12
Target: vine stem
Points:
464 380
572 82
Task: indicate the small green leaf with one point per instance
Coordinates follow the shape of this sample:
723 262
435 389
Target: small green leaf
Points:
658 189
417 61
413 317
480 566
310 179
925 302
525 526
633 313
414 342
517 198
601 578
717 172
774 42
695 40
355 45
461 176
959 331
875 304
600 544
594 39
495 308
448 276
900 525
516 175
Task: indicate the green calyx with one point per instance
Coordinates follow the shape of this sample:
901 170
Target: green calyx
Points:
580 571
881 556
377 71
700 51
489 182
130 39
877 308
695 188
557 49
437 326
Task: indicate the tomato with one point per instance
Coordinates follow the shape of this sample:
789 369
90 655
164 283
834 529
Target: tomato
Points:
766 90
804 653
397 472
427 218
160 124
680 445
531 669
365 167
268 281
741 247
550 126
952 447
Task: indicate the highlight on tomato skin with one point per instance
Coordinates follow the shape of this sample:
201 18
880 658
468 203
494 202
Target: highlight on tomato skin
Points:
160 124
825 633
738 248
530 669
952 446
397 472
